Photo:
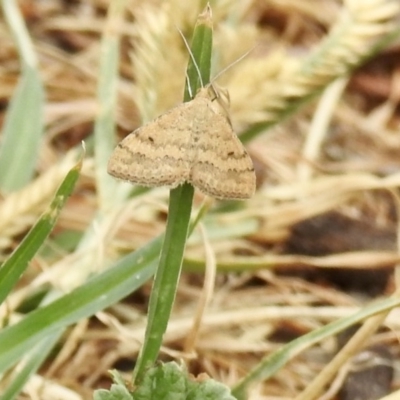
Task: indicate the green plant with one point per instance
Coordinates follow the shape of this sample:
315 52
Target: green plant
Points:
34 337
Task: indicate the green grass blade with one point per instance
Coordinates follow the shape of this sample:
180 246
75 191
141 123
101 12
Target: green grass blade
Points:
275 361
23 126
22 132
16 264
201 48
98 293
180 205
32 363
104 129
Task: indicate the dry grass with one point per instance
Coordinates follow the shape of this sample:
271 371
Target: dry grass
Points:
317 241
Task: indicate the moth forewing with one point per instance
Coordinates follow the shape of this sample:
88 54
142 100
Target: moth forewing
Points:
193 142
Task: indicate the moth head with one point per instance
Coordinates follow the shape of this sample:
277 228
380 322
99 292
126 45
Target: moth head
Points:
218 98
213 92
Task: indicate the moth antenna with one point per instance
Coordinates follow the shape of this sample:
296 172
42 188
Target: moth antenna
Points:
191 56
232 64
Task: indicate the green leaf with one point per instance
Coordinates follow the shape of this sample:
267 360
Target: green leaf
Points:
23 126
276 360
34 360
163 382
209 390
117 392
22 132
16 264
104 130
172 382
99 292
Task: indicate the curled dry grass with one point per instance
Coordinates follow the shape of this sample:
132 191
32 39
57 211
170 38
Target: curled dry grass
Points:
337 156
